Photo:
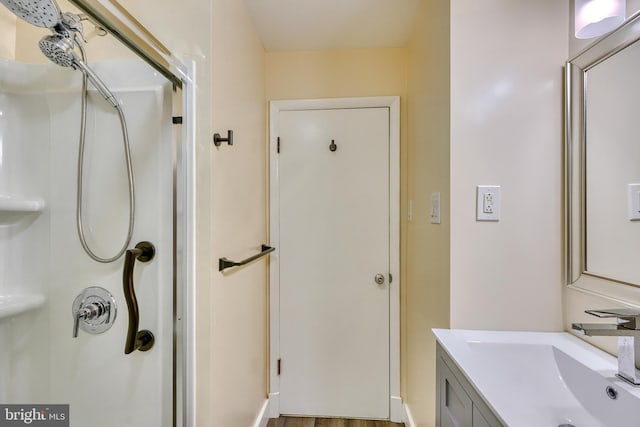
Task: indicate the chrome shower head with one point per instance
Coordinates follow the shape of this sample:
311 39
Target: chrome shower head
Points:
60 50
41 13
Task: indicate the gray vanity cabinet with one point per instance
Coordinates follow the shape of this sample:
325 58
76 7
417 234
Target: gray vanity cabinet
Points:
457 402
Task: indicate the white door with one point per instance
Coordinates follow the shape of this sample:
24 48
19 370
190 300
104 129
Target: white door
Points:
333 171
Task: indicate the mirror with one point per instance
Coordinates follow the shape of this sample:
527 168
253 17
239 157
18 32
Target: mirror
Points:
603 161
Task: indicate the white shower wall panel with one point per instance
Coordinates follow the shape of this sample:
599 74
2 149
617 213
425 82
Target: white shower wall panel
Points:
24 238
39 359
141 377
24 152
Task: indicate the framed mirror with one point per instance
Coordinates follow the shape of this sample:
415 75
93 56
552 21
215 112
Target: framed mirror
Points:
603 164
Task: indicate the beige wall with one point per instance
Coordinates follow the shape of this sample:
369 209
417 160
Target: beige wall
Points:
336 73
7 34
239 299
426 296
506 129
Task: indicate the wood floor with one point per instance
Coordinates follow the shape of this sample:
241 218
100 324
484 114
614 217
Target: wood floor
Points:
327 422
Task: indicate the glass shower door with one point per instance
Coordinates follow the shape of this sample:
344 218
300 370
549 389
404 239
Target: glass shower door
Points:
45 268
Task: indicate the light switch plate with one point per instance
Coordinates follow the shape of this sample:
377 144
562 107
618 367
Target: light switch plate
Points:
634 202
488 203
435 208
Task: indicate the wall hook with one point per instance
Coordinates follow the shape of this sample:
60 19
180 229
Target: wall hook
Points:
217 139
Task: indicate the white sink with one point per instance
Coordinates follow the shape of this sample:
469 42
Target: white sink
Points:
543 379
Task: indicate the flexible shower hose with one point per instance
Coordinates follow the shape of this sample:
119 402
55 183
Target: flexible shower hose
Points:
127 155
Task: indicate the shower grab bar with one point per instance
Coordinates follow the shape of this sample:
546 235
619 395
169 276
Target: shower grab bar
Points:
224 263
136 340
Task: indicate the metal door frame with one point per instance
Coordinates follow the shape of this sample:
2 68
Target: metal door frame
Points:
275 107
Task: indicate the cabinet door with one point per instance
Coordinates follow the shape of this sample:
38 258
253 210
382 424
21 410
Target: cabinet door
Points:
456 408
478 419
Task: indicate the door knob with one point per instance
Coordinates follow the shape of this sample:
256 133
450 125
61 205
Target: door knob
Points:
379 279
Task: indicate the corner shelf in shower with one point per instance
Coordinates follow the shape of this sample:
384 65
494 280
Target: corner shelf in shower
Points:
13 208
11 305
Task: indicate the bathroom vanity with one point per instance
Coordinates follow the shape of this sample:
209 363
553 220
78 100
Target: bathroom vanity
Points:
457 401
529 379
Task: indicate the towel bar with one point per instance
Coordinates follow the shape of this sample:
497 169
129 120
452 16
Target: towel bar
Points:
224 263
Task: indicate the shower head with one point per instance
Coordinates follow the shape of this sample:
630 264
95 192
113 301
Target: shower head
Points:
41 13
60 50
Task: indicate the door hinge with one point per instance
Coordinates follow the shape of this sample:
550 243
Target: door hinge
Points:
279 366
278 146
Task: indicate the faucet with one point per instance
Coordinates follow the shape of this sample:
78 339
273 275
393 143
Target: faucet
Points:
627 329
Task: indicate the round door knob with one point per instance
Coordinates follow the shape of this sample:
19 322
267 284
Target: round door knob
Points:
379 279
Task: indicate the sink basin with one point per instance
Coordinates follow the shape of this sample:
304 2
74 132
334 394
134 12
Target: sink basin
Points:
543 379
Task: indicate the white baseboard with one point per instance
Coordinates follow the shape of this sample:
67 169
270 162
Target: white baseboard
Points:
396 410
263 417
399 412
408 418
274 405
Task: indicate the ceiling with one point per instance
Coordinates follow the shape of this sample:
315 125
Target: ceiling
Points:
332 24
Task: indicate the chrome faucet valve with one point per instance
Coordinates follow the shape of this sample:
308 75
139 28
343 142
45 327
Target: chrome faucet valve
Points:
627 329
628 318
94 311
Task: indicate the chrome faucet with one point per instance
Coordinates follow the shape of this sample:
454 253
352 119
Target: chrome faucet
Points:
627 329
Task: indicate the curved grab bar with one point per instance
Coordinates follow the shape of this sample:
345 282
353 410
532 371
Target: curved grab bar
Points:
136 340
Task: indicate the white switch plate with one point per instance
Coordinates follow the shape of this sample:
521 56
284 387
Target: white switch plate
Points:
435 208
488 203
634 202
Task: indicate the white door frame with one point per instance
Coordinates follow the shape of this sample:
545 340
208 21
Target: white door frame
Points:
393 103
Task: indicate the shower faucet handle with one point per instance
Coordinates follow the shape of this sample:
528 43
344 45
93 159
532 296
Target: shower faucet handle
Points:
90 312
76 320
94 311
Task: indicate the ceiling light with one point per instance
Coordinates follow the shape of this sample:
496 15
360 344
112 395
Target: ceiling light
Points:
594 18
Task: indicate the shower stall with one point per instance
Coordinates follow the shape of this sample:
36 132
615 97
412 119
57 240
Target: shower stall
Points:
87 320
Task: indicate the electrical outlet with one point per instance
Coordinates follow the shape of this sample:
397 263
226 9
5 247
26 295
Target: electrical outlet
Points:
488 203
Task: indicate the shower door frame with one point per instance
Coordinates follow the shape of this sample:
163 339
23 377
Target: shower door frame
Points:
125 28
184 250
